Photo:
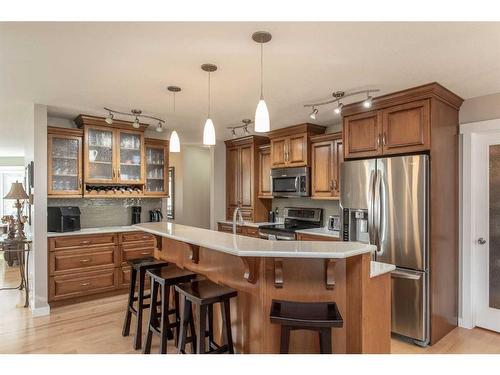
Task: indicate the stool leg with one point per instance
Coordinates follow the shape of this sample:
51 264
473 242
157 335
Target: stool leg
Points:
226 321
177 316
165 297
140 304
192 330
211 342
152 318
185 320
130 304
285 339
202 322
325 341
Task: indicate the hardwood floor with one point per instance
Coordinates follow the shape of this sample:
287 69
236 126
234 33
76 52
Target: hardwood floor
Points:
95 327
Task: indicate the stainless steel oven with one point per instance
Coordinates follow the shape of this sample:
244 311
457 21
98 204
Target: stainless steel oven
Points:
290 182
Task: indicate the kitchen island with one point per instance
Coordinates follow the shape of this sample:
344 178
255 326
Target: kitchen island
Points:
262 270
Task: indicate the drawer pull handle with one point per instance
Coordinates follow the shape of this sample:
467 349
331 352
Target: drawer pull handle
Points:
86 260
145 237
85 284
85 242
146 253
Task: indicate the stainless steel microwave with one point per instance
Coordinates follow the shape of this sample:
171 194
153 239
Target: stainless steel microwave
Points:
290 182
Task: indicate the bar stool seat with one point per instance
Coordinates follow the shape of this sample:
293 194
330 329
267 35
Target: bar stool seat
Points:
163 280
313 316
138 266
204 294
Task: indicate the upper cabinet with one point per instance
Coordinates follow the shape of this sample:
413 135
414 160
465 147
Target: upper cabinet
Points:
290 146
326 156
156 167
243 178
265 171
362 135
64 162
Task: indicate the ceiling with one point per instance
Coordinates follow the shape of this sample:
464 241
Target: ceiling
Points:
81 67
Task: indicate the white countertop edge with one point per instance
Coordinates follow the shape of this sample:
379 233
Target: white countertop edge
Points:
245 223
325 232
364 248
379 268
102 230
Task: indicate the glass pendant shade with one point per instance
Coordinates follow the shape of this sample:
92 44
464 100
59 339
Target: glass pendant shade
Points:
175 144
209 133
262 124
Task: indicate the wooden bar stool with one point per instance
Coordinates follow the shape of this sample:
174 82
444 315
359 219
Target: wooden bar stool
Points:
138 266
312 316
163 280
204 294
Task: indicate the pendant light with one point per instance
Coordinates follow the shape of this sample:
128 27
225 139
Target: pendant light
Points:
175 143
209 129
262 123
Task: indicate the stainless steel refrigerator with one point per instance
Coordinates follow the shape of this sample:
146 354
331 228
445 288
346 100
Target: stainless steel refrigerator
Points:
385 202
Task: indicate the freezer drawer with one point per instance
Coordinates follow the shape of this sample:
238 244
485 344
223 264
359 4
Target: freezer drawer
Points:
410 304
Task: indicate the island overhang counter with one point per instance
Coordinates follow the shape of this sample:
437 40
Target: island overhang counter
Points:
308 271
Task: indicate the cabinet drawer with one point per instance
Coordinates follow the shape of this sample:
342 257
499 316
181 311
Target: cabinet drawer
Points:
251 232
81 284
81 241
246 213
137 236
124 275
80 260
312 237
130 252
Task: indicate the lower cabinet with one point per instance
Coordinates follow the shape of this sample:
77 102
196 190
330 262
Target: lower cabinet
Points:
88 265
312 237
240 229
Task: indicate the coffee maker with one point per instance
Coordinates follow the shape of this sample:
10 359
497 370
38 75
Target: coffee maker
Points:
136 214
155 215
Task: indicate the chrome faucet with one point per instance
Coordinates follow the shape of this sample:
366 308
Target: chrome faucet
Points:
237 211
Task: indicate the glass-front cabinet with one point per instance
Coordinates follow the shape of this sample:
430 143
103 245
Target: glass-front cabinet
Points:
113 156
64 162
156 167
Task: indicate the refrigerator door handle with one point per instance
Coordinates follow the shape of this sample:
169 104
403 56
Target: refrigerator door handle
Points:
371 216
377 210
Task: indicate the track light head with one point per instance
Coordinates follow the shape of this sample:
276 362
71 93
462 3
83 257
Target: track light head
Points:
233 132
367 103
314 113
245 129
159 127
109 119
136 124
338 110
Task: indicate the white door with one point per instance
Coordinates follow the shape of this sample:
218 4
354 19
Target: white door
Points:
485 212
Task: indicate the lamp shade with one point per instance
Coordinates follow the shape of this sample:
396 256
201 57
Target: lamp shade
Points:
16 192
209 133
262 117
175 143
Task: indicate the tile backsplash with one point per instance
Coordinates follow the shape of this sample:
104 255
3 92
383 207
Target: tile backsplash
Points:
110 212
329 207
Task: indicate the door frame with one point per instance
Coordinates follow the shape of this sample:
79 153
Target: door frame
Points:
469 281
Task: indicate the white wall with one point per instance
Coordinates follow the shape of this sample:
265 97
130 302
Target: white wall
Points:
480 108
218 184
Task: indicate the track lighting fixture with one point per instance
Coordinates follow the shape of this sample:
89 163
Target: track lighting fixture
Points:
233 132
243 126
246 131
262 123
175 143
337 97
209 129
159 127
314 113
136 113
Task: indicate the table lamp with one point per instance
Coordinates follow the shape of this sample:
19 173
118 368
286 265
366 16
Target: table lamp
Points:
18 193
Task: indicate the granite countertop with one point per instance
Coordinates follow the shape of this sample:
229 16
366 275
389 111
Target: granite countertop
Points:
324 231
379 268
102 230
244 246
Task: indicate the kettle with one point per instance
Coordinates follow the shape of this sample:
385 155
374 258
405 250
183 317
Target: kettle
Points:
155 215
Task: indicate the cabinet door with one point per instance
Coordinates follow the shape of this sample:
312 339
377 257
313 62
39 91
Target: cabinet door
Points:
338 156
296 152
64 165
156 170
362 133
322 169
278 152
406 128
99 155
130 157
245 176
232 173
265 172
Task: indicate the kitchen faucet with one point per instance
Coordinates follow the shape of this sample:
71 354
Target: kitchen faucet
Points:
237 211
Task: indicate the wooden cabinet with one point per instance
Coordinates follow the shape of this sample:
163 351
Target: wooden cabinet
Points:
240 229
290 145
312 237
243 178
64 162
83 265
398 129
265 172
326 156
156 167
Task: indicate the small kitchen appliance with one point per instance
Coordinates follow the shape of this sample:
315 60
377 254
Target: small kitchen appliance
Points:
290 182
63 219
155 215
334 223
295 218
136 214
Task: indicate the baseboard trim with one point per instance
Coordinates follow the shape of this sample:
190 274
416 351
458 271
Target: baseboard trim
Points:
40 311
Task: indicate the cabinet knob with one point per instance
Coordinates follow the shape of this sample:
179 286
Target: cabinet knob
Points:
85 284
86 260
85 242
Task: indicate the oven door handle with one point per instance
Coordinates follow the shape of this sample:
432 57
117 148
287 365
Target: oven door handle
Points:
297 183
